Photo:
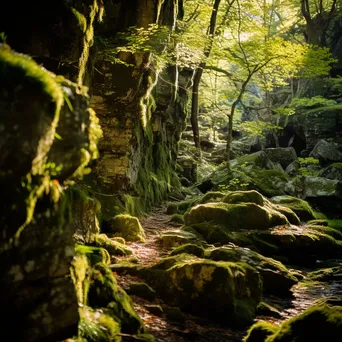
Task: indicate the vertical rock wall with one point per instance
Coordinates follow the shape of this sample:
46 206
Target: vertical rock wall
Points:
48 135
141 111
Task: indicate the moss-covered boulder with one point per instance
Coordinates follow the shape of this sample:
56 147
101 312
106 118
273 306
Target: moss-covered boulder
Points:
301 207
126 226
178 238
111 245
212 196
244 197
282 155
318 323
189 248
226 292
299 245
236 216
269 182
277 279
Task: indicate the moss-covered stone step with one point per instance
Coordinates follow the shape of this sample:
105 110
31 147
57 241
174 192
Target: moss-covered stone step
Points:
226 292
318 323
241 210
276 278
126 226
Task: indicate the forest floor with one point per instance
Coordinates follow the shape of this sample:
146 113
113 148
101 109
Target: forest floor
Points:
169 327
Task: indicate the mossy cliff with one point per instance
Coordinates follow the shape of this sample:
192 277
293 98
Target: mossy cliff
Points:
141 104
48 136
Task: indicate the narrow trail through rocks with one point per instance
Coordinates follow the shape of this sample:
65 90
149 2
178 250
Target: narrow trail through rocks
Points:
165 329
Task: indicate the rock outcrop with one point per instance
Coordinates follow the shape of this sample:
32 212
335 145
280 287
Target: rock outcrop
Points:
48 136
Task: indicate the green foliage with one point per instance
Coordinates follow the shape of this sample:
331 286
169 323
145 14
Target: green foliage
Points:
305 164
312 102
257 127
234 184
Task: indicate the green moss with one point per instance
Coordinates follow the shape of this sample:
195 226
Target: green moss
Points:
235 216
251 196
189 249
94 254
21 68
113 247
125 226
81 19
327 230
336 224
18 72
260 331
177 218
318 323
97 326
226 292
325 274
265 309
133 205
212 196
299 206
181 207
276 277
105 293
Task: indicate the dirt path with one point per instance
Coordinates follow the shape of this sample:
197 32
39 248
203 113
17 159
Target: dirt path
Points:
163 328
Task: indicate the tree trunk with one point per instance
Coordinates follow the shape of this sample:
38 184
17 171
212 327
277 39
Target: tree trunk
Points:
230 133
194 111
197 80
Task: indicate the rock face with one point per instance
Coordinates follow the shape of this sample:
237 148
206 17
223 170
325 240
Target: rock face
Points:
141 112
43 143
321 123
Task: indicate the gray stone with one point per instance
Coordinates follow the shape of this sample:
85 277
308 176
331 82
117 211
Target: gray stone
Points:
282 155
326 152
321 187
292 169
333 171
